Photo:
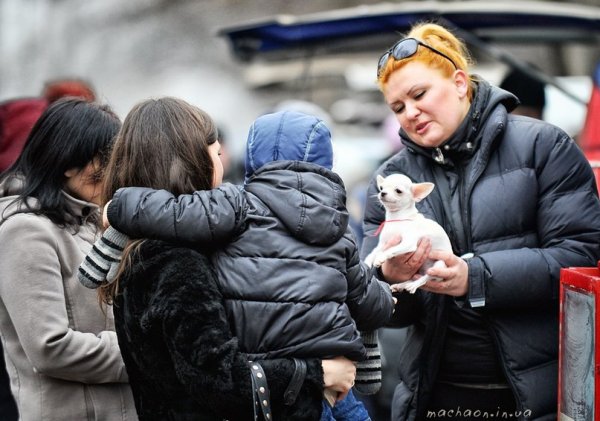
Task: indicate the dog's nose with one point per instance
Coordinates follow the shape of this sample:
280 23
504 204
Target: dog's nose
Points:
383 194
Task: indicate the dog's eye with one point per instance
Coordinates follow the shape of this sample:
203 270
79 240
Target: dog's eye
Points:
398 191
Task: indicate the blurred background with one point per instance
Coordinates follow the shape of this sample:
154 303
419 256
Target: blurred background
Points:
133 50
136 49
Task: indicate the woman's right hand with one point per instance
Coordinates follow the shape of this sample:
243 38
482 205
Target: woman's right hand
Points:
338 376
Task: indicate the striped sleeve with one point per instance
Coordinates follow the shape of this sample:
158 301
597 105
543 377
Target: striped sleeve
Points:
368 372
103 260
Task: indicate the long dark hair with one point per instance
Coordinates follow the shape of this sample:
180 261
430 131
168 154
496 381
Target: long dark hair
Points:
69 134
163 144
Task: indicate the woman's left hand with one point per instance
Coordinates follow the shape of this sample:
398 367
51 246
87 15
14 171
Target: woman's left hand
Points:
338 377
455 276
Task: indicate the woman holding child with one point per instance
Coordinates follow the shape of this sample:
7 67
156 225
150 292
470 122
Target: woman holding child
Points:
519 202
178 341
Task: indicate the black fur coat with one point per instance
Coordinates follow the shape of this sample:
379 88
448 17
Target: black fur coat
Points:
182 361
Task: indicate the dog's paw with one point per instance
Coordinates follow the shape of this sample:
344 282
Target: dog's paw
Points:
416 284
379 260
412 288
401 286
370 257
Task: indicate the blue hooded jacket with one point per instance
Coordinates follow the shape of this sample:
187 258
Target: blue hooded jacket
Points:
289 271
288 136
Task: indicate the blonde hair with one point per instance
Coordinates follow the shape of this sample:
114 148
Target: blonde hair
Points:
441 39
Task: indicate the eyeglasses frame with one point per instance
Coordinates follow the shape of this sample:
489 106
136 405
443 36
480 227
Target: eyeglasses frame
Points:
390 53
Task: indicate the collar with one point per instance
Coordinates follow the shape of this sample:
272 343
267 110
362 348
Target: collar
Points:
9 205
79 207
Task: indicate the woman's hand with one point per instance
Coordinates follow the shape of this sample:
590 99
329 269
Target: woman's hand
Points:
403 267
455 275
338 376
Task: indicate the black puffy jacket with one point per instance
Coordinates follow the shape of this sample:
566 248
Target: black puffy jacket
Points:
183 363
289 271
525 203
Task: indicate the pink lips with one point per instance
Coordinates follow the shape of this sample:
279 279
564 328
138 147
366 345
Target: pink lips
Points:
421 127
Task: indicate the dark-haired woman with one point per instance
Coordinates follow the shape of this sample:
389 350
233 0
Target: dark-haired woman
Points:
60 347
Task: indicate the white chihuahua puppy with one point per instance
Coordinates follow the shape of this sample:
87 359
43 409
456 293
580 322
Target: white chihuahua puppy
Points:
398 194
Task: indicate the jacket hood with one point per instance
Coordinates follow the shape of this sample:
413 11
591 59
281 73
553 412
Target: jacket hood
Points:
11 186
10 203
288 136
467 137
309 200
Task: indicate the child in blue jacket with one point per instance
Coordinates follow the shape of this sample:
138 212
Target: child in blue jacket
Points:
285 257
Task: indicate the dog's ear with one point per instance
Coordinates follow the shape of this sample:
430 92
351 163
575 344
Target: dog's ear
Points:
380 180
421 190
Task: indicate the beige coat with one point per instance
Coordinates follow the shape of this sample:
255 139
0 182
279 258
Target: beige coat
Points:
61 350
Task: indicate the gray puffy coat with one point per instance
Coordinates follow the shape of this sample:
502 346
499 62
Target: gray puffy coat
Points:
290 272
526 205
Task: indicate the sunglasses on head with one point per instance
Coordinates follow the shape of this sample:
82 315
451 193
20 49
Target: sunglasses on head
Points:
406 48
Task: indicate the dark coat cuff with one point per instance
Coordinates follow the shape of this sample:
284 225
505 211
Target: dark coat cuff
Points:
476 294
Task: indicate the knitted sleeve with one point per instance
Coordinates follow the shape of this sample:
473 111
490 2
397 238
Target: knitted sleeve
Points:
368 372
102 262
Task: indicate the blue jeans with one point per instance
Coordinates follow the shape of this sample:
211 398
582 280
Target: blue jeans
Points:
350 409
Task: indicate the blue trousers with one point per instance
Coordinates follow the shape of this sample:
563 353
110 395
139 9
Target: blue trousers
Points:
349 409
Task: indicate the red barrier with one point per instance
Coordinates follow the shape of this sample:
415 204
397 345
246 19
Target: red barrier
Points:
579 344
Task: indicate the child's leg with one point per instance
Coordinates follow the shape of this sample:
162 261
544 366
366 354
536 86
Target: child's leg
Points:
326 415
350 409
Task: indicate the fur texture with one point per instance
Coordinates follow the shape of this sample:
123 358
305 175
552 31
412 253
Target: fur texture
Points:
398 194
182 361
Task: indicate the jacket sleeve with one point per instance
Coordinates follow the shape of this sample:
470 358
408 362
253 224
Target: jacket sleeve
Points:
207 358
568 229
203 217
32 290
369 299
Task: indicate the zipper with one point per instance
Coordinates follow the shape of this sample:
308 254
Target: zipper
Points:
438 156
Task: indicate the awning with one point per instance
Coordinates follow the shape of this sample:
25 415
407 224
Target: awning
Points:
377 26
